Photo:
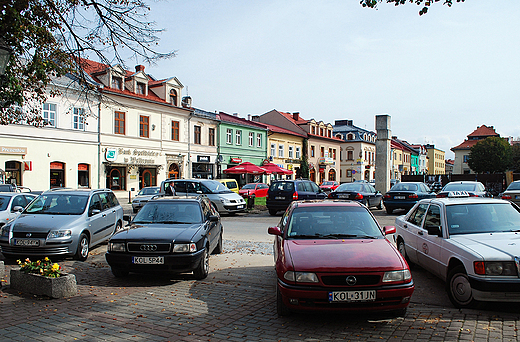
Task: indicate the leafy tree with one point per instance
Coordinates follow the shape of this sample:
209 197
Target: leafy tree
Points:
515 156
49 38
304 166
425 3
492 155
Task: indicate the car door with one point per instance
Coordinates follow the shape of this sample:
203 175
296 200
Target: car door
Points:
212 227
411 228
108 214
17 201
373 199
429 245
97 221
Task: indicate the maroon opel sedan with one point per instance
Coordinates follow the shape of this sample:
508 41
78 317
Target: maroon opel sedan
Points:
333 255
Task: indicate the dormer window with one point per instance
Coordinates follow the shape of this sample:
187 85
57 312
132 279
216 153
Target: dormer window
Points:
117 83
141 88
350 136
173 97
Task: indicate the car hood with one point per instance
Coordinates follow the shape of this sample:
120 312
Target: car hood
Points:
41 222
491 246
228 195
144 197
158 232
343 255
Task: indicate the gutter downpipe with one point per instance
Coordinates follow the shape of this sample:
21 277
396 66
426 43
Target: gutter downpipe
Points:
99 146
189 145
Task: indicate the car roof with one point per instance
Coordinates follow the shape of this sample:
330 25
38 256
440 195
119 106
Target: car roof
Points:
12 194
464 200
160 198
327 203
85 192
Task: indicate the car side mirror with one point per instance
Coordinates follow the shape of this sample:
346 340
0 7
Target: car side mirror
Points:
387 230
127 218
213 218
17 208
434 230
274 231
94 212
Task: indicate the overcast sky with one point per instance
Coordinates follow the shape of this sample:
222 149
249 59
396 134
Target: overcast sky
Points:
438 76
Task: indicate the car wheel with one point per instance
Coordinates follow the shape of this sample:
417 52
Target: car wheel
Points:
459 289
202 270
119 273
281 308
389 210
401 247
118 227
83 248
272 212
218 249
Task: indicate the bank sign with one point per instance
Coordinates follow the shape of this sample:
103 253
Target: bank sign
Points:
111 154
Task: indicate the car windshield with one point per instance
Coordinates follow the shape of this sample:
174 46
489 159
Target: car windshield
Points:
460 187
216 187
58 204
332 222
514 186
327 183
404 187
149 191
4 201
350 187
248 186
474 218
178 212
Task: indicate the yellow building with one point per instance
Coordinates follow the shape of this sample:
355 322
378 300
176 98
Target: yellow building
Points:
436 161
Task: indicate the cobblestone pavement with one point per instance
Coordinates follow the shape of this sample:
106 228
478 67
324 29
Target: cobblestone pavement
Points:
235 303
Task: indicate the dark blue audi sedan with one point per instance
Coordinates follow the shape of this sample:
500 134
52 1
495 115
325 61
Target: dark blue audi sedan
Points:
404 195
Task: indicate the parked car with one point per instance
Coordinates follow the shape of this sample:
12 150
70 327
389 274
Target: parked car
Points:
468 242
329 185
168 235
13 188
404 195
63 222
362 192
256 189
12 204
281 193
333 255
223 199
512 192
474 189
231 184
144 196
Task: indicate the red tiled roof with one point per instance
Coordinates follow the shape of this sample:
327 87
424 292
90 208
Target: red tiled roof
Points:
236 119
289 116
323 137
466 145
484 131
277 129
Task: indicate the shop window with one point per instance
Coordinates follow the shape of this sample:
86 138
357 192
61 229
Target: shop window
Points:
57 175
13 172
332 175
116 178
83 176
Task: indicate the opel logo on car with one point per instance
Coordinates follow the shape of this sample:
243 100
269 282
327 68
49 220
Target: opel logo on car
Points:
148 248
351 280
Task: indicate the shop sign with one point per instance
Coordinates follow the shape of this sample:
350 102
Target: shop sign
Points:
236 160
325 161
13 150
111 154
293 161
82 167
27 165
203 159
56 166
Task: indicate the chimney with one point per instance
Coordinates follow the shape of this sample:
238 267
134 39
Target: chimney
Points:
235 114
139 68
248 117
296 116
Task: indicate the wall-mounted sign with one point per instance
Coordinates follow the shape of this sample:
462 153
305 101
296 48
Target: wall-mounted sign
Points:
27 165
236 160
13 150
203 159
111 154
325 161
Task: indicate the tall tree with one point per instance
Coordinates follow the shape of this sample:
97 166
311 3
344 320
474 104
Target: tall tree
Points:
424 3
515 156
492 155
49 38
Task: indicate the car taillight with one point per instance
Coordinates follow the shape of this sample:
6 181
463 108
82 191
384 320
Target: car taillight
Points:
330 195
358 196
387 196
295 196
508 197
442 195
413 196
266 195
472 195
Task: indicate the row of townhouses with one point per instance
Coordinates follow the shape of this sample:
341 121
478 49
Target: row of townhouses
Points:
139 131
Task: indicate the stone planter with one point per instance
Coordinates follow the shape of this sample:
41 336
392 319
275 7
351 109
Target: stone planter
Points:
29 283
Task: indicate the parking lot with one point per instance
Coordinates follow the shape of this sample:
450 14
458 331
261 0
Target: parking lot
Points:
236 302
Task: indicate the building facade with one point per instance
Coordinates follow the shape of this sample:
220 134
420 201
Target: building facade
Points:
460 165
436 160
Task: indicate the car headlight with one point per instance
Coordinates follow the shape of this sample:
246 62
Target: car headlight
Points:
59 234
5 230
301 277
401 275
116 247
495 268
184 248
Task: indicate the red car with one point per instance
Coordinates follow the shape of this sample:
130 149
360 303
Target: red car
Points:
333 255
257 189
329 185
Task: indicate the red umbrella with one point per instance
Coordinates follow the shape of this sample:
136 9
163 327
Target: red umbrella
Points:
273 168
246 167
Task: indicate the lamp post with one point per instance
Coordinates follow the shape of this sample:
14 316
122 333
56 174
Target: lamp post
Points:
5 54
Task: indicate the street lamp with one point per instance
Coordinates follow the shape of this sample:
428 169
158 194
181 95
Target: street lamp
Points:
5 54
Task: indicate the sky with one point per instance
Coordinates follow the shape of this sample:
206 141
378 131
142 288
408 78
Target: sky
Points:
438 76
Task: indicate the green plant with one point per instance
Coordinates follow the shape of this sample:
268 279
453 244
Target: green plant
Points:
45 268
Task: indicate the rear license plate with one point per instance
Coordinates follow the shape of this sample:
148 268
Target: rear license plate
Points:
148 260
399 197
517 197
352 296
27 242
279 198
342 196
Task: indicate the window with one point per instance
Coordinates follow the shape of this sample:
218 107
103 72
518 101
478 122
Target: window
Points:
321 131
141 88
49 114
119 122
350 155
211 137
78 119
313 130
280 151
173 97
334 153
273 149
196 135
238 137
312 151
350 136
258 140
175 130
144 126
117 83
330 134
465 158
322 152
298 153
251 138
330 153
229 136
291 152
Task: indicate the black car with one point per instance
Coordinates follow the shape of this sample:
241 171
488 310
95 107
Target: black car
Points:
474 189
404 195
281 193
358 191
168 235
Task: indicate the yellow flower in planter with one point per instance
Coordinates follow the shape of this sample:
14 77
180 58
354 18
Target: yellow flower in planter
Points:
45 267
55 267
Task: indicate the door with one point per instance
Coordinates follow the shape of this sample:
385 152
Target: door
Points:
411 228
96 219
429 245
108 215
